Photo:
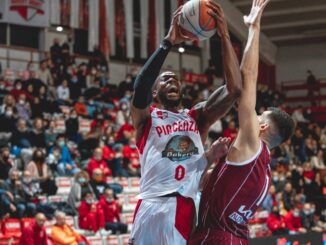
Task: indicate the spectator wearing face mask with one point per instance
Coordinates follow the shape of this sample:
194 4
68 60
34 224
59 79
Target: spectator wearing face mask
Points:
288 196
17 90
293 221
51 134
66 165
91 216
125 132
35 233
79 188
97 162
75 88
81 107
126 85
41 173
270 200
112 213
276 223
123 114
5 163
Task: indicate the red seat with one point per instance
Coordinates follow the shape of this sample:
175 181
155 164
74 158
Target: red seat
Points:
26 222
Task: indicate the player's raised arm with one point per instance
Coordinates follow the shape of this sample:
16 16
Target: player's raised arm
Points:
249 128
221 101
145 80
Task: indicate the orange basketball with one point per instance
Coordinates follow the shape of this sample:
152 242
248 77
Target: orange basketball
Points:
195 21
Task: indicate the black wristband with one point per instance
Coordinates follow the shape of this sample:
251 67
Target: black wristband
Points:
166 44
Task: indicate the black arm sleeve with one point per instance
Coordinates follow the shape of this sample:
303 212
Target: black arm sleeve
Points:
147 76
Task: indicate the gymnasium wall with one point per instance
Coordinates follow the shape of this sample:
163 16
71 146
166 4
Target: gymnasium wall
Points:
292 62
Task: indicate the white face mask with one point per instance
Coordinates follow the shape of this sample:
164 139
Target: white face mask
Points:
9 113
109 200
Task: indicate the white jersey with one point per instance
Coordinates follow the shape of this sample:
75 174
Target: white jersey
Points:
171 155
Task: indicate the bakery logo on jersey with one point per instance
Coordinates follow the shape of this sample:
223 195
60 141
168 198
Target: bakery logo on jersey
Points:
240 216
180 148
162 114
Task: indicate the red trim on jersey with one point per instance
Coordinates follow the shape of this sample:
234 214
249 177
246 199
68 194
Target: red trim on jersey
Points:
184 217
143 139
192 113
136 210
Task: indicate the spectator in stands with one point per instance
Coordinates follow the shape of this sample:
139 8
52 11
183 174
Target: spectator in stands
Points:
66 165
98 162
75 88
126 132
63 93
44 73
35 233
81 107
41 173
5 203
82 75
126 85
297 115
22 136
7 122
231 131
5 163
112 213
293 221
14 186
72 127
98 59
17 90
288 196
3 89
270 199
298 145
123 115
311 83
51 134
37 135
55 52
276 223
8 102
308 217
23 108
63 234
90 214
99 184
131 157
30 186
79 187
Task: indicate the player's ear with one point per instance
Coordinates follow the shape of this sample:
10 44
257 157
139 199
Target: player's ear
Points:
154 94
263 127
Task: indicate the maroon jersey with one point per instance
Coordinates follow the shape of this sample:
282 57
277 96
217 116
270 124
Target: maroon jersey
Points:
233 193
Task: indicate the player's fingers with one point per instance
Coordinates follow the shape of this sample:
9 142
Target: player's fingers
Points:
213 4
215 16
265 3
215 8
178 10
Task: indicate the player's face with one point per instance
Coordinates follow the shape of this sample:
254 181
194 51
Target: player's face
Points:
169 89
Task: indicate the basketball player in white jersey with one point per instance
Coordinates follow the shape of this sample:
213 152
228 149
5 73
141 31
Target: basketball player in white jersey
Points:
170 140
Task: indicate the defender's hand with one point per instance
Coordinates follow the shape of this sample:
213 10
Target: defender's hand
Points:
253 19
218 149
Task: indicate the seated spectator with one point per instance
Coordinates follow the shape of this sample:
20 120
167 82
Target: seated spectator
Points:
130 152
98 183
41 173
72 127
276 223
317 161
288 196
297 116
23 108
8 101
51 134
3 90
18 90
55 52
66 165
123 114
98 162
75 88
22 136
293 221
79 187
112 213
44 73
270 199
126 132
63 93
37 135
308 173
91 216
5 203
31 188
5 163
308 218
8 120
22 206
81 107
63 234
35 233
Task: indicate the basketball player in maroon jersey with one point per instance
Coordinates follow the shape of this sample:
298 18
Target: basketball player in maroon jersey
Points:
238 185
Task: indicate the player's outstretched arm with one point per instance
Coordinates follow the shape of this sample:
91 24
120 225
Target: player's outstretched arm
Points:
221 101
247 140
